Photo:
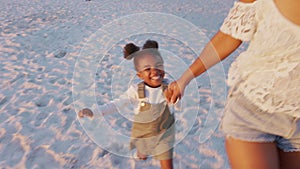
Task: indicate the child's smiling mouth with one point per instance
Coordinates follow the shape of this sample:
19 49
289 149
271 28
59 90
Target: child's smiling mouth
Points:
155 77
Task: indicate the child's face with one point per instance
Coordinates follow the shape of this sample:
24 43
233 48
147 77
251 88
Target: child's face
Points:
150 69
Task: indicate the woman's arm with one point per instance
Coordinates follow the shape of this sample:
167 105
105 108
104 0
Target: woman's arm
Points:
219 47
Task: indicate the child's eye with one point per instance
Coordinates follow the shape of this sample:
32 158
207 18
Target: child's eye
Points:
147 69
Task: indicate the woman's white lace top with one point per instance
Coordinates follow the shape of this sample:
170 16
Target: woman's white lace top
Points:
268 72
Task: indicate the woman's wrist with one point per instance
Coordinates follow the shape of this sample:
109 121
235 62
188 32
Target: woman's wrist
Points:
182 83
185 79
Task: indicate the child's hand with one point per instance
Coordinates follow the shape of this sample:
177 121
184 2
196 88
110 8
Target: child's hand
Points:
173 93
85 112
168 94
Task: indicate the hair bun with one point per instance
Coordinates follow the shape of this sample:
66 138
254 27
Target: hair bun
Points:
150 44
129 49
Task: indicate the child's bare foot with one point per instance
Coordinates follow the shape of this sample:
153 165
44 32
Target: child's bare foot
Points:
138 156
85 112
141 156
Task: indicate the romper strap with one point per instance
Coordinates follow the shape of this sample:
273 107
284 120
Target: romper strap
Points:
141 90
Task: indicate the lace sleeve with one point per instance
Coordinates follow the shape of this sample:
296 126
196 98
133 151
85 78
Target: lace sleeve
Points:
240 22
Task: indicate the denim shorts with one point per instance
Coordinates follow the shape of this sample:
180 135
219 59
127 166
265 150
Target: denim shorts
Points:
245 121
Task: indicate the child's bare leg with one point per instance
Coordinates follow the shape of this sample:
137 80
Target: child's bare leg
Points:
249 155
166 164
289 160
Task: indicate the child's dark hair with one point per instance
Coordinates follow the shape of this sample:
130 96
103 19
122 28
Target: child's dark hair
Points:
130 49
150 44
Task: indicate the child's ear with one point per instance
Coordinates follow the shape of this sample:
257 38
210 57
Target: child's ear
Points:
139 75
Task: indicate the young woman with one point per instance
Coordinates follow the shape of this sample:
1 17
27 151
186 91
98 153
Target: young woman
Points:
261 119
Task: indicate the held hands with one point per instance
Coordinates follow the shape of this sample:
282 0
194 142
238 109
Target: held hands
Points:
174 92
85 112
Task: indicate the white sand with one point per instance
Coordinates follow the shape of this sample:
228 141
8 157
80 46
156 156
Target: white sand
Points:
40 42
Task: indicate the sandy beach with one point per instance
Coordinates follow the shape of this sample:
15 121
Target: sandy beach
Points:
57 57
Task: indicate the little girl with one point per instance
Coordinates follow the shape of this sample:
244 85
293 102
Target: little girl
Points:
153 125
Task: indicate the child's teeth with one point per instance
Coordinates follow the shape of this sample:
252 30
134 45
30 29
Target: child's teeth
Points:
155 78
